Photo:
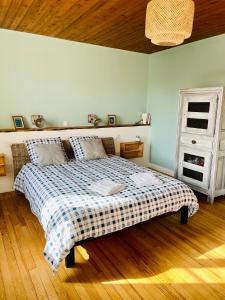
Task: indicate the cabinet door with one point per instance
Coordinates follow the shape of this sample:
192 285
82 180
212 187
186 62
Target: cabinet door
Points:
194 167
199 113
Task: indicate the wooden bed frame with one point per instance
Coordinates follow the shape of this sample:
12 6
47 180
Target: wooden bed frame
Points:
21 157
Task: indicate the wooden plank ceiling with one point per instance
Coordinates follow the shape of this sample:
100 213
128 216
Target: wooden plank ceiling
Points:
111 23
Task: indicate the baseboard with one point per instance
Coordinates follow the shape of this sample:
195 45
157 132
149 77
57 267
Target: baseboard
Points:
162 169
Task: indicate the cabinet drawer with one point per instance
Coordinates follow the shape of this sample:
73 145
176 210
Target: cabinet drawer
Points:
194 167
198 115
2 165
131 147
196 142
2 160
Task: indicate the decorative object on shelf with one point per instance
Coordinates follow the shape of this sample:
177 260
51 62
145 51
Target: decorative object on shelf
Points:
93 119
201 140
145 119
2 165
65 123
169 22
138 138
38 121
18 122
111 120
132 149
96 122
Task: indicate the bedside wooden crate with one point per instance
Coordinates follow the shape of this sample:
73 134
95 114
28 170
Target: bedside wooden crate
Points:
2 165
131 149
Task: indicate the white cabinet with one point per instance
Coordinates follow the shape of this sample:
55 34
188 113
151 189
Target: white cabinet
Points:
201 140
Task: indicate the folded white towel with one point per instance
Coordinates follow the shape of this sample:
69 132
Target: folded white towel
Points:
145 179
106 187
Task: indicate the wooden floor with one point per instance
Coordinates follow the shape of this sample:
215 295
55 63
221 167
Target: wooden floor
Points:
160 259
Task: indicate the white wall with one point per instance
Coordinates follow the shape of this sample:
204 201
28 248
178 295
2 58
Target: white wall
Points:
120 134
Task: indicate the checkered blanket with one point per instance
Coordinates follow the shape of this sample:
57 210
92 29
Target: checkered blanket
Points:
69 212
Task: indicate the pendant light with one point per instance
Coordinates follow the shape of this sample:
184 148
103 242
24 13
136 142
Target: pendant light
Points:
169 22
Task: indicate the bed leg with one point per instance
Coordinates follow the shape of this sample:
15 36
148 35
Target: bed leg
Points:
70 259
184 215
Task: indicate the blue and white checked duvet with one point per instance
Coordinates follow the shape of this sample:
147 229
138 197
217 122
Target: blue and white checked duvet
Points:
69 212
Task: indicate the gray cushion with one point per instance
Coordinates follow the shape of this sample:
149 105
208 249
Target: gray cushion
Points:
49 154
93 149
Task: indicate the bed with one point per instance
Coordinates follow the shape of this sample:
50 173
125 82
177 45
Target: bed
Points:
71 214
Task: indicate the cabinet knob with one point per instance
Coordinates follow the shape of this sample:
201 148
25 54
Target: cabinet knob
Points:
194 142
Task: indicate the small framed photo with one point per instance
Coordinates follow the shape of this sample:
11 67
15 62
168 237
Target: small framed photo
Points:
111 120
18 122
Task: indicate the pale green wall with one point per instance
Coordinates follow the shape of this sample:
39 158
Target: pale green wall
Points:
199 64
66 80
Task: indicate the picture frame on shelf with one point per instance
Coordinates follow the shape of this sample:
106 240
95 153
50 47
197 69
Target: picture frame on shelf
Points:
111 120
18 122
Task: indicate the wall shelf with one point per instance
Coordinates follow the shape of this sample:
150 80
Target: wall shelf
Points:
67 128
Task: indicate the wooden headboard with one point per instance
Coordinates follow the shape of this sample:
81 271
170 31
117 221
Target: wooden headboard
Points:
21 157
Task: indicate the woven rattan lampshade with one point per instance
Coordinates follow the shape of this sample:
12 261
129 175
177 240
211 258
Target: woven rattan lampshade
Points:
169 22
